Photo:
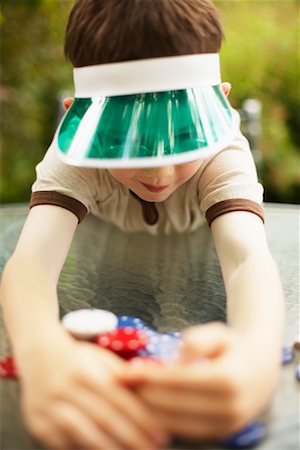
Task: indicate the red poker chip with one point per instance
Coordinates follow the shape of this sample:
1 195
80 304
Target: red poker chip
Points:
8 368
125 341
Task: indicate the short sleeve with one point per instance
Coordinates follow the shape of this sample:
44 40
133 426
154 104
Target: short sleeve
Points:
63 185
228 181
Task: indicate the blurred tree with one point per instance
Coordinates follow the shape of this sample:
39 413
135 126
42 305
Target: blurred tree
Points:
260 57
34 71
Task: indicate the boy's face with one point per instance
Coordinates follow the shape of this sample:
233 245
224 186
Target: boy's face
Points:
156 184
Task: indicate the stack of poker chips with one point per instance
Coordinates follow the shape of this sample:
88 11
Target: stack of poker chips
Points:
128 337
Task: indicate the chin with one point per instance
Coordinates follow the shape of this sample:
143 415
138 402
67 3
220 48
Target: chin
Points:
154 198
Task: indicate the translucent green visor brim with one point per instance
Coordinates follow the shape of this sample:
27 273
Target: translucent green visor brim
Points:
145 130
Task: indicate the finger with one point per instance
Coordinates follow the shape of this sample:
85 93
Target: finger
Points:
186 401
98 362
116 423
205 341
112 361
99 381
122 398
226 88
130 406
205 377
81 431
190 427
67 102
56 440
49 435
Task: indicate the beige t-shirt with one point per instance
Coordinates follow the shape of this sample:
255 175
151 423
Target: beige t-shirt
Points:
224 182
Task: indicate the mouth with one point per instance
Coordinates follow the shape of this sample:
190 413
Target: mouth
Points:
154 188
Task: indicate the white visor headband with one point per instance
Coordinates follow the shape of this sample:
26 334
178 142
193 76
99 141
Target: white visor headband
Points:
146 113
147 75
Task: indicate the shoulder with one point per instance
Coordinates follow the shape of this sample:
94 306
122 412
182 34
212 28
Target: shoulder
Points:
77 189
228 180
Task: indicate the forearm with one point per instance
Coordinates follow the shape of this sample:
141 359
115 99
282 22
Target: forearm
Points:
255 300
29 303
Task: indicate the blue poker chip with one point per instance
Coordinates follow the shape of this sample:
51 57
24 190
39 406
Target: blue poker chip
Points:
129 321
151 333
287 355
251 436
297 372
175 334
163 346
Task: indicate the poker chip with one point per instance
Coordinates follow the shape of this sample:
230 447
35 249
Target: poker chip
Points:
161 345
125 341
297 372
8 368
88 323
129 321
287 355
175 334
296 343
252 435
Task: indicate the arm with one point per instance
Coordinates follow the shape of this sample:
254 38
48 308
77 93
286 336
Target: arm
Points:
226 375
252 283
30 277
64 382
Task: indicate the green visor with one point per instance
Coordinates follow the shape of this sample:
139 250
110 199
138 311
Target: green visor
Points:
145 129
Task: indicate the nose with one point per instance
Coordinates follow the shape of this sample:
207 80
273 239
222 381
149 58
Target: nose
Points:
159 172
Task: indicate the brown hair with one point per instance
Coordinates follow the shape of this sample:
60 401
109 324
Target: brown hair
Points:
104 31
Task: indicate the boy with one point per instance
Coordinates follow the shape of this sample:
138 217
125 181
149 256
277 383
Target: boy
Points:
161 165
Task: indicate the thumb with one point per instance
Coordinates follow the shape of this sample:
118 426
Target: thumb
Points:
205 341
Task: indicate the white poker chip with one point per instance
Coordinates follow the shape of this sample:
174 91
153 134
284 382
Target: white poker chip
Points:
88 323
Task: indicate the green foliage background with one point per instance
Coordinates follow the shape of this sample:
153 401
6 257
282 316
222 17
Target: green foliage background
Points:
260 57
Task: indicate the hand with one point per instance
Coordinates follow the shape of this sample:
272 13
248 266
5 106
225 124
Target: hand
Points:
71 398
69 100
220 383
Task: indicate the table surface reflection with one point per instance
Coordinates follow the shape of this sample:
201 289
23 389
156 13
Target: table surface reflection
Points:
168 281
